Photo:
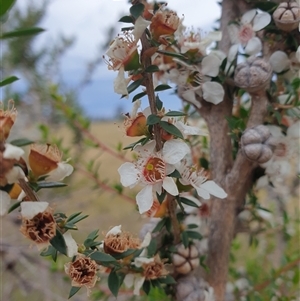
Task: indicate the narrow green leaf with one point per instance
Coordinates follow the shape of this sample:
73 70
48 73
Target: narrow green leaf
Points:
185 239
134 85
5 6
159 103
146 287
136 10
132 145
22 32
173 54
138 96
102 257
8 80
70 226
188 202
113 283
162 87
167 280
21 142
126 19
73 216
175 114
161 197
14 206
159 225
125 254
48 252
73 291
175 174
45 184
152 68
153 119
58 242
194 235
152 248
79 218
171 129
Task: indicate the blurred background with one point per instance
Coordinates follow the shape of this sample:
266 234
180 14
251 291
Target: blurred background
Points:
65 96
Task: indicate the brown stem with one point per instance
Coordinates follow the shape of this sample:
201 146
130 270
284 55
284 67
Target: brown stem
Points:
172 206
103 185
28 191
286 268
148 82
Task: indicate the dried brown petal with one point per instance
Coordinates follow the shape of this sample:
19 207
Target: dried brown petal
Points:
154 269
41 228
119 243
287 16
83 271
7 119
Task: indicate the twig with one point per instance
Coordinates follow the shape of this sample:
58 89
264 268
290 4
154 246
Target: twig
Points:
172 206
103 185
28 191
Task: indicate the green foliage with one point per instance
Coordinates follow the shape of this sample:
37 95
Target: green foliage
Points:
73 291
9 80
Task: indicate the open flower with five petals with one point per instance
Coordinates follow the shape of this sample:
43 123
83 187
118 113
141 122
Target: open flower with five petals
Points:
152 169
197 179
245 33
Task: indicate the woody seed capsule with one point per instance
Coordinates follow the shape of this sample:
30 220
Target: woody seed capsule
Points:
287 16
253 75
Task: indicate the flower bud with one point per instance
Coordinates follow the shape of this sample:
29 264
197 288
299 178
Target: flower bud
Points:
287 16
164 23
255 146
253 75
7 119
185 259
43 158
136 126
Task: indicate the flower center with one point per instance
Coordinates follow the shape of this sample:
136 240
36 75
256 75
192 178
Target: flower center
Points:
246 33
154 170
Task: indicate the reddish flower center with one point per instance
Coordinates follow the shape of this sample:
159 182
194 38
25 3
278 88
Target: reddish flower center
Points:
154 170
246 33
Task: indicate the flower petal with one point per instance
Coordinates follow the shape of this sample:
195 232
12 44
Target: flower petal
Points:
14 175
4 202
120 83
63 170
138 283
129 174
139 27
12 152
233 31
248 16
213 92
174 150
114 231
214 189
31 209
279 61
145 150
144 199
210 66
189 95
260 21
72 248
170 186
253 46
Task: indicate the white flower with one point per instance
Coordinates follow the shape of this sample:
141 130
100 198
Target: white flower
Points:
280 62
251 22
4 202
152 170
200 77
203 187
